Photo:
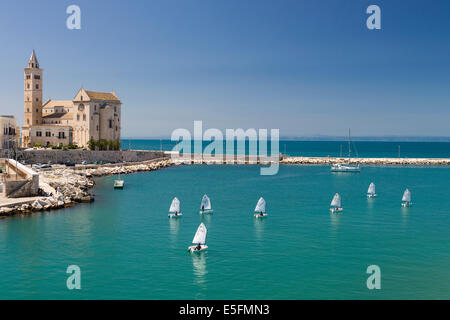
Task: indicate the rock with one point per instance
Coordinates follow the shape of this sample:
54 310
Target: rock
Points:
36 205
87 199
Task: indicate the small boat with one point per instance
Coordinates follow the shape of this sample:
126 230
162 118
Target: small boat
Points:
335 206
340 167
346 167
260 208
205 206
406 199
118 183
199 239
175 209
371 192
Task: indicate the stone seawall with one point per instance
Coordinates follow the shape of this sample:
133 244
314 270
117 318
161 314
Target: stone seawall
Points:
32 156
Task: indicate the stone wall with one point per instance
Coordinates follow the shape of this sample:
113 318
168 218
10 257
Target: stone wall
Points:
77 156
23 184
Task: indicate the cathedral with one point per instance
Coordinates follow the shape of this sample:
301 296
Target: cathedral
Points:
90 115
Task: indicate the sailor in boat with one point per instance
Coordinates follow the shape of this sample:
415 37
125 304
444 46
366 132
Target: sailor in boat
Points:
261 214
203 208
199 239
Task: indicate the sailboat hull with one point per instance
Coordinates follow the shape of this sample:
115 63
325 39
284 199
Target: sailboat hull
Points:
371 195
206 211
345 168
173 215
336 210
406 205
118 184
193 249
258 215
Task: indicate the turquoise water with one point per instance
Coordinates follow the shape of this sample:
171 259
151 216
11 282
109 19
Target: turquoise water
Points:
364 149
127 248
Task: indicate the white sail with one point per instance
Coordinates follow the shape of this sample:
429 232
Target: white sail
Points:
406 196
371 189
261 205
175 205
206 203
200 235
336 202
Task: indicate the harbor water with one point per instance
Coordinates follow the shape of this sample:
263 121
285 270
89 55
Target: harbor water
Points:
128 248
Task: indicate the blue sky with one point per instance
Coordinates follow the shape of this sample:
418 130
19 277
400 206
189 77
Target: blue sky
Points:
305 67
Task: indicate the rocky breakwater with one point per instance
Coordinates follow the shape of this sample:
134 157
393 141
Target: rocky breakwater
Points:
368 161
125 169
66 187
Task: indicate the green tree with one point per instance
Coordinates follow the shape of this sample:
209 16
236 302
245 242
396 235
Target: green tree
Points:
103 144
92 144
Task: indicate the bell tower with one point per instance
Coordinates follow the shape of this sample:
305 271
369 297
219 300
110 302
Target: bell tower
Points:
33 92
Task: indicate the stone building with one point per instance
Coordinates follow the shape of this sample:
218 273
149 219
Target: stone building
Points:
90 115
9 132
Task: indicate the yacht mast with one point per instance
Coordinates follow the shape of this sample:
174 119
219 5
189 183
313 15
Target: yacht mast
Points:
349 146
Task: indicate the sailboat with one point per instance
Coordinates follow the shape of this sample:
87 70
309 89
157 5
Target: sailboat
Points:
336 204
406 199
175 208
199 239
346 167
371 192
205 206
260 208
118 183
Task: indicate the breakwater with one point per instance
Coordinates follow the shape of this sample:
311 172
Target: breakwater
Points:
265 160
367 161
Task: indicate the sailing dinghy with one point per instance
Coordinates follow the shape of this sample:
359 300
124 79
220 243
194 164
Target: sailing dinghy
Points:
406 199
371 192
175 208
205 206
260 208
335 206
199 239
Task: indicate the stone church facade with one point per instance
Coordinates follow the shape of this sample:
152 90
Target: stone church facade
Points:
90 115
